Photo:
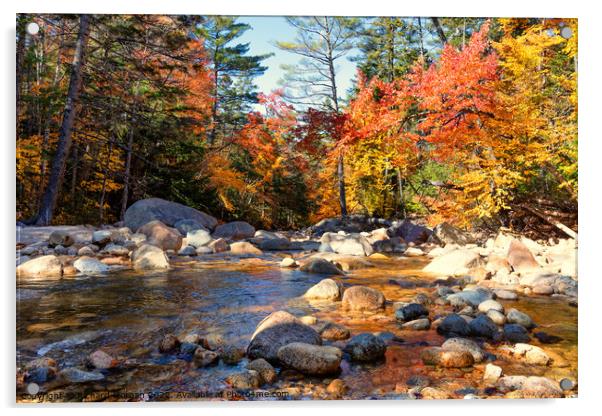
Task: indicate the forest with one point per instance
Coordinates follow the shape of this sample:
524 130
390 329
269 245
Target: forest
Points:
472 121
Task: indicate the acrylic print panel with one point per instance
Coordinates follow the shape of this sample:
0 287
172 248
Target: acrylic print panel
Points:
272 208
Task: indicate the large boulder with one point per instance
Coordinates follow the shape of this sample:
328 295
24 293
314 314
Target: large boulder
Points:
169 213
277 330
187 225
160 235
455 263
311 359
410 232
362 298
236 230
41 267
520 258
327 289
448 234
149 257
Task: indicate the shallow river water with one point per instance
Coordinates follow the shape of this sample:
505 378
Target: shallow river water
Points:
127 313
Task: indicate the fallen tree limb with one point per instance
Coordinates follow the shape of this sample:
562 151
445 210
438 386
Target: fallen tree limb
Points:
550 221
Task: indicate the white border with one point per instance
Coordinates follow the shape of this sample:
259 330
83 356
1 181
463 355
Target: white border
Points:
590 151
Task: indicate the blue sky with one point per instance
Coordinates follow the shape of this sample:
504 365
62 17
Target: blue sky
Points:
266 30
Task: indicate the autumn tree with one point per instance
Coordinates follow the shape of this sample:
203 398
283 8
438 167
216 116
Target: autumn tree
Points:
321 42
232 71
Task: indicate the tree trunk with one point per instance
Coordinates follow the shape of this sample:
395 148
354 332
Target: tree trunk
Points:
57 174
21 33
341 177
439 29
126 178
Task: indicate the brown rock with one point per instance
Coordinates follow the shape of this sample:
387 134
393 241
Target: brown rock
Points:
520 258
162 236
362 298
449 359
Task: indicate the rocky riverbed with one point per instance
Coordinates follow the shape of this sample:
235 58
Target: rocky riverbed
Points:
172 305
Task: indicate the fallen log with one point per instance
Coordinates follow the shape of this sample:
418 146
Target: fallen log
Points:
549 220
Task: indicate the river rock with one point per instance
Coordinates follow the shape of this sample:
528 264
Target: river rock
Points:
334 332
410 232
490 304
492 373
483 326
469 297
148 257
453 326
310 359
236 230
446 358
245 380
204 358
498 264
413 252
497 317
411 312
90 265
162 236
515 316
41 267
217 246
446 233
198 238
231 354
101 360
60 238
506 294
327 289
541 387
516 333
454 263
276 330
432 393
363 298
169 343
115 250
75 375
544 290
320 266
244 248
417 324
169 213
337 388
463 344
41 370
520 258
274 244
187 251
264 369
366 347
288 262
187 225
531 354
